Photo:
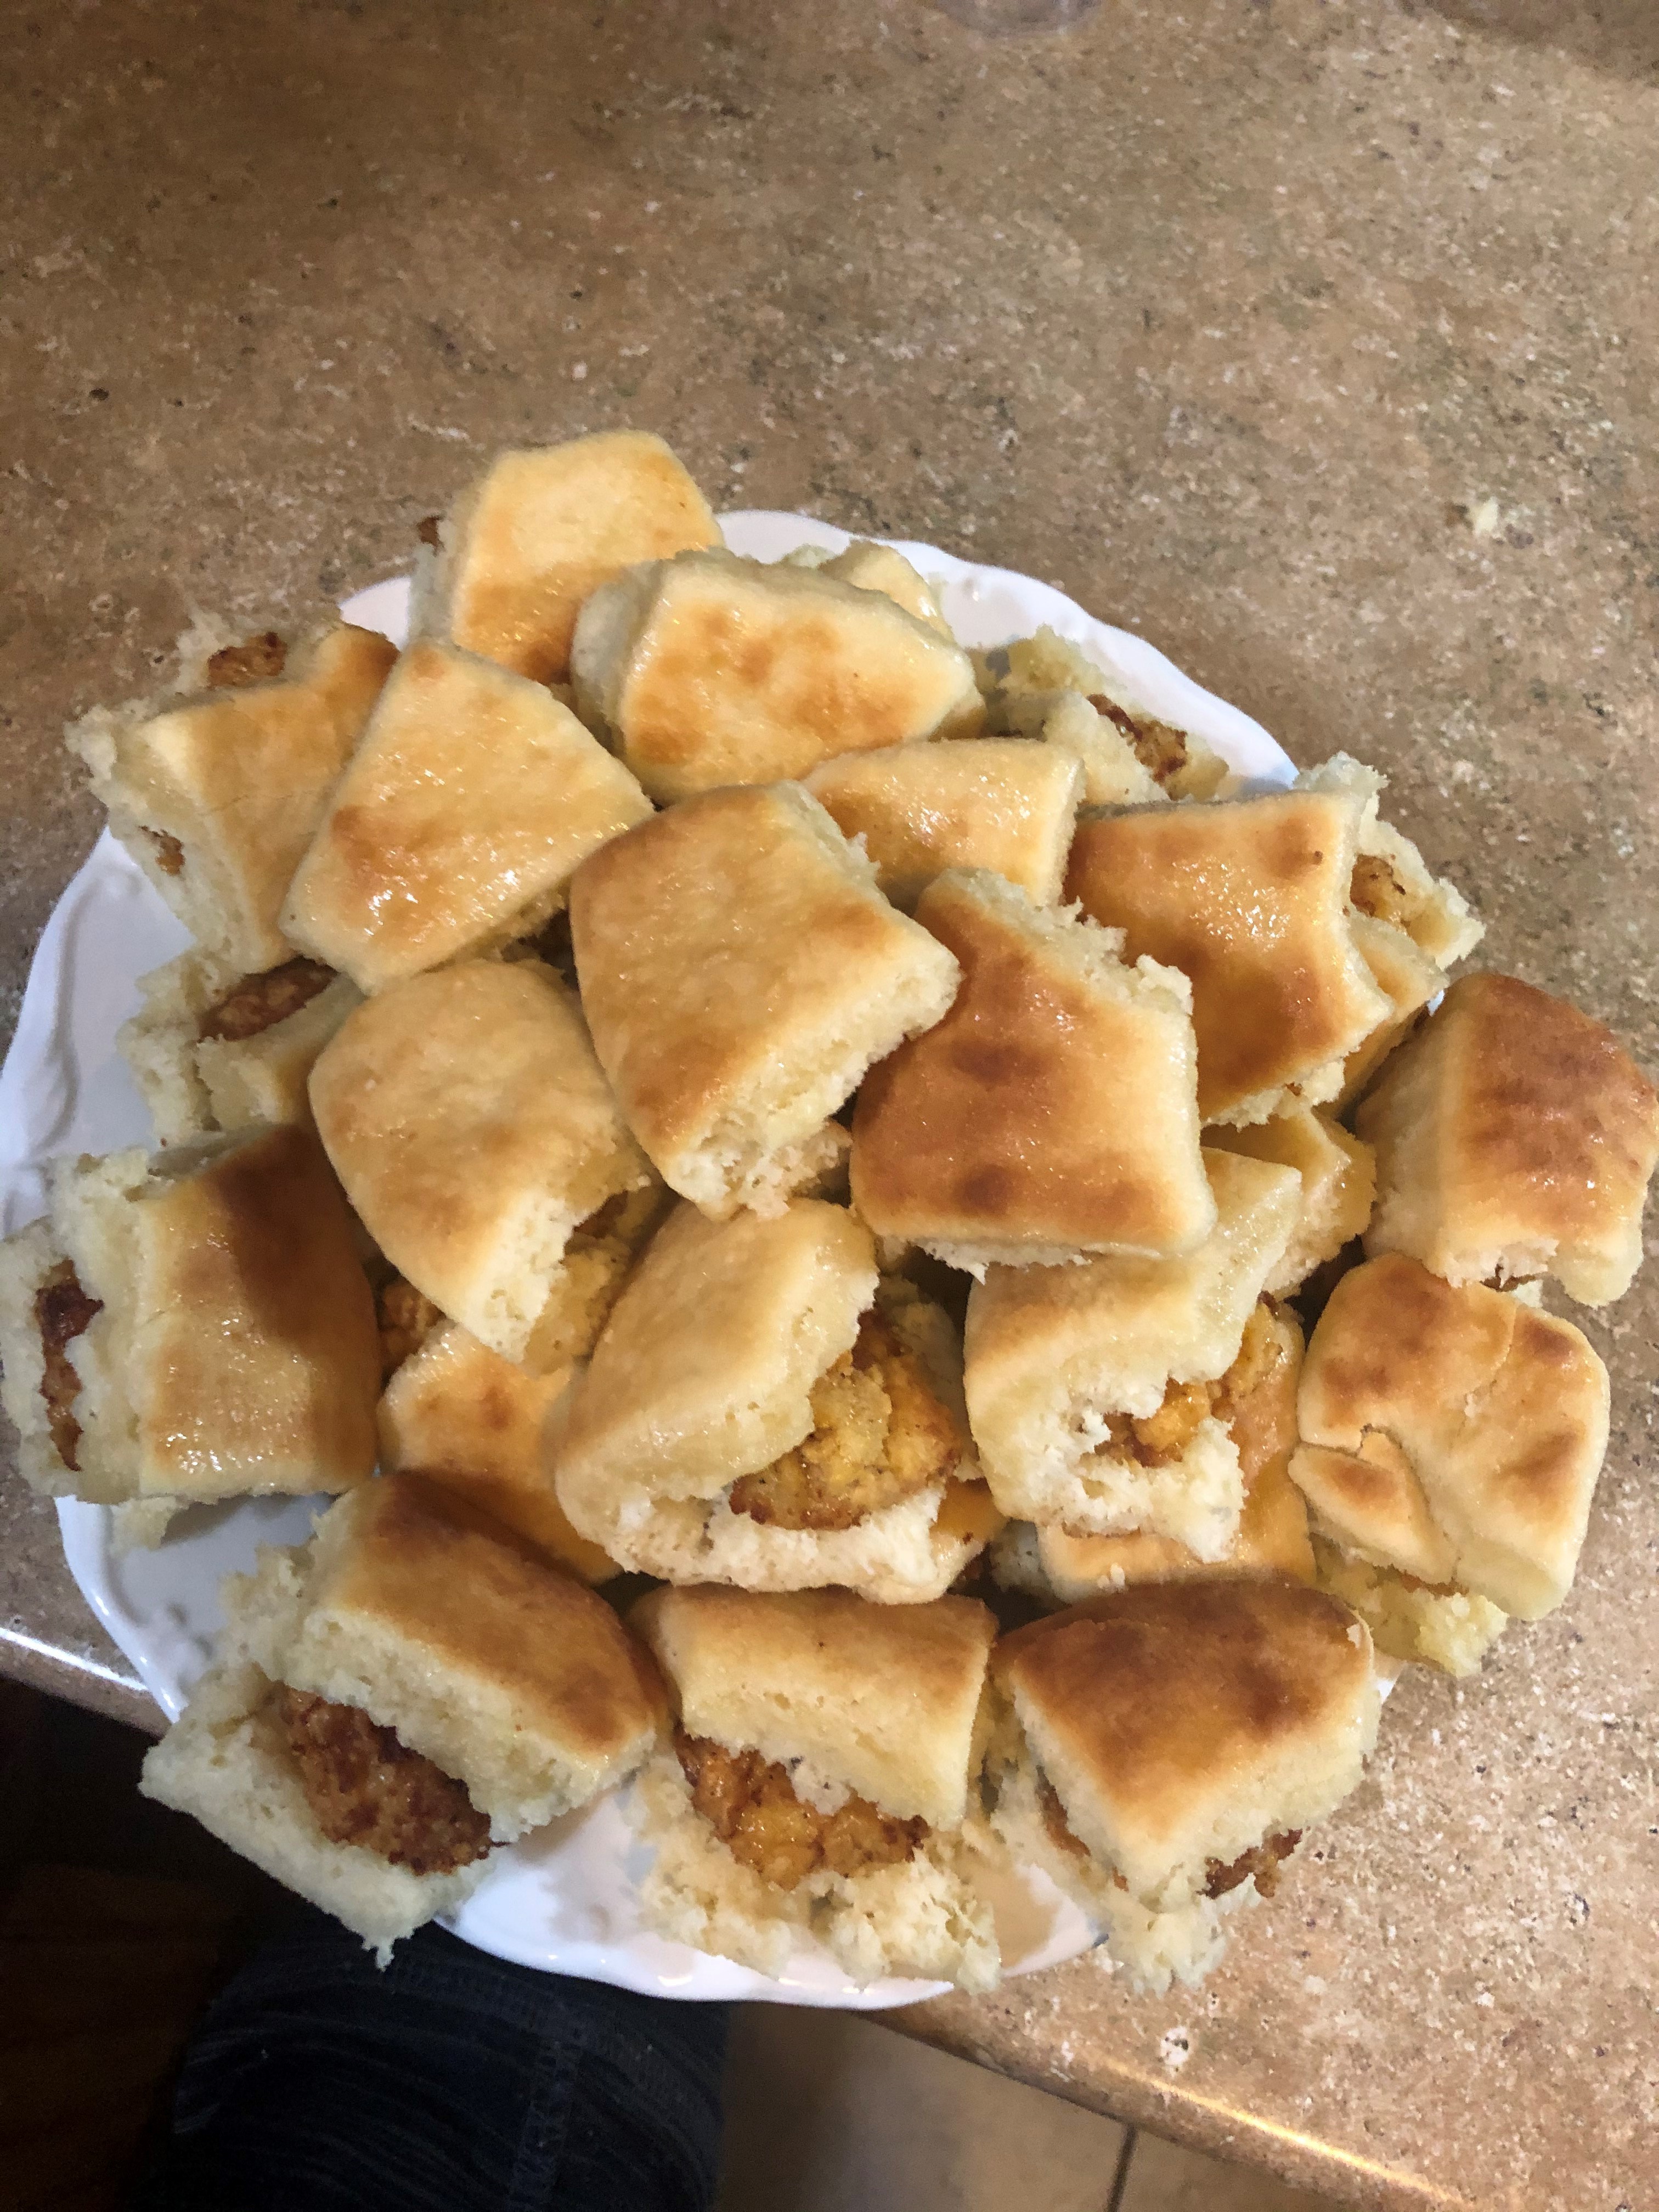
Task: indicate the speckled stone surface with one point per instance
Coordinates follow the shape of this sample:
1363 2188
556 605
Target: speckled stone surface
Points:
1315 341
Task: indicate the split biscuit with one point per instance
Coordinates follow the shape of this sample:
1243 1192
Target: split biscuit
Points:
762 1408
191 1326
1097 1393
217 792
1161 1751
393 1698
822 1766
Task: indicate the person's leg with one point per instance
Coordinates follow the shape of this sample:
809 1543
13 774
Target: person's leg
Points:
452 2081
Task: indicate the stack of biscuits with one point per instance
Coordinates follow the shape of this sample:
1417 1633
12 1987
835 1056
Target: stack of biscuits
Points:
874 1249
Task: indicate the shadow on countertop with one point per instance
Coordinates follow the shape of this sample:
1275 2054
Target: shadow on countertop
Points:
1620 35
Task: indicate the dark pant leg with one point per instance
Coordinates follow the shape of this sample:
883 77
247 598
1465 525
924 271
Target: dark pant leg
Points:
450 2082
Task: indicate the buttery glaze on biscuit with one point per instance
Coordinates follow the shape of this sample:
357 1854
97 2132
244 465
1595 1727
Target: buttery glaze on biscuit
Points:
472 799
1248 899
231 1346
1001 804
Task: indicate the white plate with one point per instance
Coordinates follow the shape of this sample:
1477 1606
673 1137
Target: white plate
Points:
564 1900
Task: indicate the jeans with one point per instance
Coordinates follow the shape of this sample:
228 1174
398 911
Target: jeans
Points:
451 2082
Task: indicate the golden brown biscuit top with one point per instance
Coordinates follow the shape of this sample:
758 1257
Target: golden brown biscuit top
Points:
1248 899
882 1698
1044 1108
744 674
247 753
910 1654
547 526
472 798
454 1097
1000 803
1453 1426
474 1422
703 1371
255 1339
1163 1692
1547 1106
412 1558
714 937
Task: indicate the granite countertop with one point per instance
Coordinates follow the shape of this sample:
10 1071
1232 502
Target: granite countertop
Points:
1315 341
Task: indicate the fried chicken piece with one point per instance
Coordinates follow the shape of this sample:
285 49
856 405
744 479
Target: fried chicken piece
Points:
603 1220
1159 747
751 1804
1057 1827
879 1435
1375 889
257 1003
406 1319
169 852
364 1787
256 660
1263 1860
1259 1354
1156 1438
63 1311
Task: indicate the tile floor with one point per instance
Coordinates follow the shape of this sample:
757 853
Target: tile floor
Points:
826 2113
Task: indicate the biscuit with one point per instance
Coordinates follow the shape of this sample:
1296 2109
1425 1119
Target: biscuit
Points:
1166 1747
1052 1111
191 1326
217 794
740 971
541 531
1249 898
1514 1137
1338 1185
472 799
210 1051
999 804
508 1678
477 1138
762 1409
1453 1435
708 670
1088 1387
